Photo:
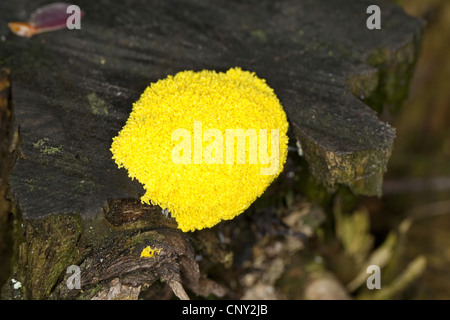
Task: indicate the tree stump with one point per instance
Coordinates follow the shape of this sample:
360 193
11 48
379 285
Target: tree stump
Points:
72 90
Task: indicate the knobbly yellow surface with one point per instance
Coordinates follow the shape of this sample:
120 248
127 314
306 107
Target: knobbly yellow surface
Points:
200 195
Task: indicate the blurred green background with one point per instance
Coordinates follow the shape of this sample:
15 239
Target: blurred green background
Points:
417 183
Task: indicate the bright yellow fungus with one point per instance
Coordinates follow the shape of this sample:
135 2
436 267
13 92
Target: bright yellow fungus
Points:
148 252
205 145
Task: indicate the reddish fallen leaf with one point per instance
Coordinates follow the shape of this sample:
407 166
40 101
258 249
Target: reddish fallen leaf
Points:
47 18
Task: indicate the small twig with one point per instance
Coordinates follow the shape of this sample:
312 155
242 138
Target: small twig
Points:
178 290
429 210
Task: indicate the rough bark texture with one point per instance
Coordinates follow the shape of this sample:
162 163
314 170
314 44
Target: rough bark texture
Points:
72 91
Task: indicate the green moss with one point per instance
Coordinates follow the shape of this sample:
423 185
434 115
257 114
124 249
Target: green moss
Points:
362 171
98 106
145 237
363 85
395 72
45 148
260 35
30 183
49 247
